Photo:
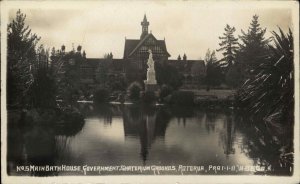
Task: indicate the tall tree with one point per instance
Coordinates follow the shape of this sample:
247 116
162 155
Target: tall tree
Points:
271 92
253 47
69 84
214 73
233 76
229 45
42 93
20 60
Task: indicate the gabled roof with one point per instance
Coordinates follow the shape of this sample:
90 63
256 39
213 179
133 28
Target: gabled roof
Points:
162 43
141 43
131 46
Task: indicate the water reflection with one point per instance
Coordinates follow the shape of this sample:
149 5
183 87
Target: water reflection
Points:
145 124
228 136
37 144
146 135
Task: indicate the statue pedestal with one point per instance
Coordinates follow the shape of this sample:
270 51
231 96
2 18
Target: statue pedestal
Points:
151 87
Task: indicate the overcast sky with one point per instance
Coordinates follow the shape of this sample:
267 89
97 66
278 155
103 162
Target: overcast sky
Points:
188 27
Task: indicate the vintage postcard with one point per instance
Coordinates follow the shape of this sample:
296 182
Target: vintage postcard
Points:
149 92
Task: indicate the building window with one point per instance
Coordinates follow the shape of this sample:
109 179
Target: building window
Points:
150 41
143 49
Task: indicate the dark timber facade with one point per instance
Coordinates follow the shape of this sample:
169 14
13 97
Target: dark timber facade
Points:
136 53
133 65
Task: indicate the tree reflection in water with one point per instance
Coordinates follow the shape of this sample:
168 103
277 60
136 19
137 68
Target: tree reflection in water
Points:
49 145
265 146
35 143
228 137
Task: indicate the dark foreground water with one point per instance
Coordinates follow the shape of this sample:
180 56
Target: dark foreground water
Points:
133 139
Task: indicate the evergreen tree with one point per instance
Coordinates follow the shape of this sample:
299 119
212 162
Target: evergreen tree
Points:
70 81
229 45
42 92
53 52
21 59
179 58
108 56
214 74
184 57
233 76
270 94
66 69
79 47
84 54
253 48
63 48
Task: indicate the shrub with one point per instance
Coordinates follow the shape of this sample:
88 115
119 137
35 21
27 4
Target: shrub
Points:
182 98
134 91
101 96
149 97
165 91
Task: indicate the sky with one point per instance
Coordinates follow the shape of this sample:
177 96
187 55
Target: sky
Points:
189 27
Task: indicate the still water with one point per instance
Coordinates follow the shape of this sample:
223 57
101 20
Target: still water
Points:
136 139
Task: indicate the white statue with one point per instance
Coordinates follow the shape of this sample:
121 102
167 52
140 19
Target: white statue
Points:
150 54
151 79
150 61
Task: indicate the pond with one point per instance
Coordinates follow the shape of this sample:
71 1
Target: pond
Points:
143 140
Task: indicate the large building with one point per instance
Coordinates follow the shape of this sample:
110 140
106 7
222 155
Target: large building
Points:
136 52
133 65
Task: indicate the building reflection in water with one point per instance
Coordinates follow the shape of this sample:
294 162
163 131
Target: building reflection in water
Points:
145 123
149 124
153 131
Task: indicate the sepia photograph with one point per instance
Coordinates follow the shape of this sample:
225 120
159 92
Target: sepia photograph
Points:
149 92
